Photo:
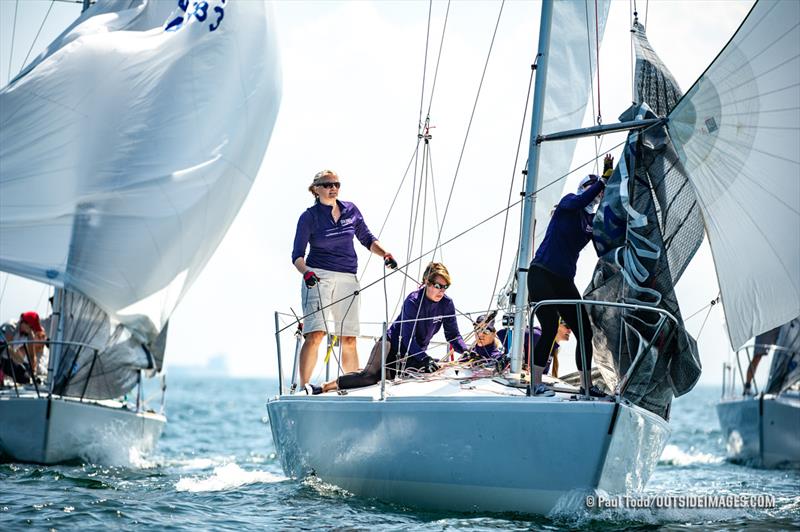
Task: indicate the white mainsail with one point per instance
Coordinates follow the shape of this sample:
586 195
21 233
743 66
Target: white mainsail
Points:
128 146
738 132
569 82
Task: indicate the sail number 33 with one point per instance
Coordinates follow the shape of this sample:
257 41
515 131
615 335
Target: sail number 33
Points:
201 10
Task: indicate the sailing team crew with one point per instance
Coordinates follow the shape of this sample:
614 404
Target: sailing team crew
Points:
330 286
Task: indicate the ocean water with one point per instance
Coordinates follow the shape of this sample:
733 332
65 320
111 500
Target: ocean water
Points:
215 468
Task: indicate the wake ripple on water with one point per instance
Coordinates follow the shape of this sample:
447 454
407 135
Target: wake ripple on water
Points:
675 456
227 477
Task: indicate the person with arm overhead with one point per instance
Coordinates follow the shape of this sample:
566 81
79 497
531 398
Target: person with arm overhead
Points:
552 275
330 287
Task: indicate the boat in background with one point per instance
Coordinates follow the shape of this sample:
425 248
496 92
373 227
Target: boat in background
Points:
141 129
762 428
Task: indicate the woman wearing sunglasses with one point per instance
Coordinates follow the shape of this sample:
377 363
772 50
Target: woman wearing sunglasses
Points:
329 271
488 350
425 311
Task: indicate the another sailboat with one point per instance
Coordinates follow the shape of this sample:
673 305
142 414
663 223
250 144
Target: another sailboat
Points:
762 427
691 163
126 149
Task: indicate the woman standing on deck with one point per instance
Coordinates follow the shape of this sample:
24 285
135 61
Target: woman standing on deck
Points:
552 275
330 285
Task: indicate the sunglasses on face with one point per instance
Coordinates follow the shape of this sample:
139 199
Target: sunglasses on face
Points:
486 330
440 286
330 184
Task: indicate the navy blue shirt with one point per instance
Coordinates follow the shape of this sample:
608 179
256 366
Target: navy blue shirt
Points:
331 242
569 231
416 335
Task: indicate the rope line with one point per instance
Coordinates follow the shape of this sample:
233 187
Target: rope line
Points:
511 188
469 127
13 35
597 50
464 232
24 62
710 308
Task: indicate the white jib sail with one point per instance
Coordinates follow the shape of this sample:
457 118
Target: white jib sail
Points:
128 146
738 131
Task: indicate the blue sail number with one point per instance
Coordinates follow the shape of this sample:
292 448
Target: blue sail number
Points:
200 11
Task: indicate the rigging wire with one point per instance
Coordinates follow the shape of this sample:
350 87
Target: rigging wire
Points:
468 230
25 61
591 77
424 68
511 186
698 311
597 51
13 34
710 308
469 127
5 283
631 24
391 207
438 57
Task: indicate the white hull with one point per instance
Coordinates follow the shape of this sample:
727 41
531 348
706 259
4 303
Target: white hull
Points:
51 431
481 449
763 431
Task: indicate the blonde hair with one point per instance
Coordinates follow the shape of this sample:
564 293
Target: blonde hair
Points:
436 268
318 178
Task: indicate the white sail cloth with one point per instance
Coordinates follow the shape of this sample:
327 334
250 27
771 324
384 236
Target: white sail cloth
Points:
738 132
573 64
127 148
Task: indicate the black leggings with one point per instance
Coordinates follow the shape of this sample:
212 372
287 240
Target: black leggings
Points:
544 284
372 371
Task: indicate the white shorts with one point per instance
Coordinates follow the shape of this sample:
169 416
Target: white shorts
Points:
341 317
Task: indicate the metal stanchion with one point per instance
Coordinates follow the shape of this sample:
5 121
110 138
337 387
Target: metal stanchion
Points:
383 363
278 341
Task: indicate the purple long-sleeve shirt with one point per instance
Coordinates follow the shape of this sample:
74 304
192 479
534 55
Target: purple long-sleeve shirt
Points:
569 231
416 335
331 242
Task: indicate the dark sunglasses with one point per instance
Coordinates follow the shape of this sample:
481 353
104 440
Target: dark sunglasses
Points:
439 286
330 184
486 330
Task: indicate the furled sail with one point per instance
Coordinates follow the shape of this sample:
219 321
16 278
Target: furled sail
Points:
127 149
578 29
737 131
784 372
646 231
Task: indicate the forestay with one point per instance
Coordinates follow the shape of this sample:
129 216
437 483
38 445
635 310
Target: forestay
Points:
128 147
738 131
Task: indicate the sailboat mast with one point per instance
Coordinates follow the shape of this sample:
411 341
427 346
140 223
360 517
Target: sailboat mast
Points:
526 233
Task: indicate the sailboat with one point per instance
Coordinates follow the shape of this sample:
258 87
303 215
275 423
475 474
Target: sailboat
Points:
719 161
762 427
126 150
